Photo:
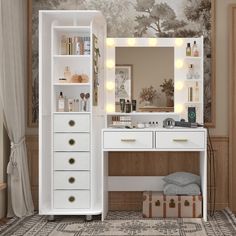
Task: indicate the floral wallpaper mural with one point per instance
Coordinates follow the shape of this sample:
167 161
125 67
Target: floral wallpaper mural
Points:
136 18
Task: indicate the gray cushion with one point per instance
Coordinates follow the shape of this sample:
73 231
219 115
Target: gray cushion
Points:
190 189
182 178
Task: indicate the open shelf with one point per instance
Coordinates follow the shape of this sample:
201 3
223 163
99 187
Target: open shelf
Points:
71 84
194 58
71 56
74 112
81 29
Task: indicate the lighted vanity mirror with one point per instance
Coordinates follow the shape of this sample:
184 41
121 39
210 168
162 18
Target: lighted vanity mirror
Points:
145 74
133 64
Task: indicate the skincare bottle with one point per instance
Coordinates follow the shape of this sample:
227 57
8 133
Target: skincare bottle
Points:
78 46
86 45
63 45
188 50
70 105
190 72
134 105
67 74
122 105
190 94
61 103
196 93
69 47
128 107
195 52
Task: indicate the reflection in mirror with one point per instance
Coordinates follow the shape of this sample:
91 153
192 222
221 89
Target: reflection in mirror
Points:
145 74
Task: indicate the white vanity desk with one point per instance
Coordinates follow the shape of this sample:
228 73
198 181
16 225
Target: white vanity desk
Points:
148 139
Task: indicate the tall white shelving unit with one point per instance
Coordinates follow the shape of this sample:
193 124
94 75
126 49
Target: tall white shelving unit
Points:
69 160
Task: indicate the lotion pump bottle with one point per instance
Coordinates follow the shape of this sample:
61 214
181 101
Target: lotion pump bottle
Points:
61 103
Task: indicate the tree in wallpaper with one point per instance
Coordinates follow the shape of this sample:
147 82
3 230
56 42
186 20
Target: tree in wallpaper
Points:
136 18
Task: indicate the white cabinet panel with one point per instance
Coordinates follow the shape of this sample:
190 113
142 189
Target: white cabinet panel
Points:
71 142
71 160
71 199
128 140
72 123
71 180
180 140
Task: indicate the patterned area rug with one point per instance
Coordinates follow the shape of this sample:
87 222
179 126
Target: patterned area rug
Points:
122 223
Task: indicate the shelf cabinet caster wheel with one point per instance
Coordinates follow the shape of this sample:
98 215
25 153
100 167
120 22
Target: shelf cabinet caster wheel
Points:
88 218
51 218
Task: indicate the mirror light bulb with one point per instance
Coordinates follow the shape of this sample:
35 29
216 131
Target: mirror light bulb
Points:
152 41
110 85
131 41
179 64
179 42
179 108
110 42
179 85
110 64
110 108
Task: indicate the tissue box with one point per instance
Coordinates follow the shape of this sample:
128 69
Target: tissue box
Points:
156 204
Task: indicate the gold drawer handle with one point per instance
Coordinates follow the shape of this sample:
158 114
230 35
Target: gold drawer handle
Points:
128 140
71 161
71 199
180 140
71 123
71 180
72 142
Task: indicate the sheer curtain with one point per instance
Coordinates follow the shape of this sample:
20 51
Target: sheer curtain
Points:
13 97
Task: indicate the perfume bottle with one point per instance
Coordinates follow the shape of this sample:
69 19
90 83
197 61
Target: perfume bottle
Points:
67 74
61 103
190 72
188 50
195 52
196 92
63 45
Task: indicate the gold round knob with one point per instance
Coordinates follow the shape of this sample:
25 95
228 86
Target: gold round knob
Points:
71 123
71 199
71 142
71 180
71 161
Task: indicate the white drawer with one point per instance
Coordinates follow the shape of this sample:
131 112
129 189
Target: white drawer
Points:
71 179
180 140
71 160
72 123
128 140
64 199
71 142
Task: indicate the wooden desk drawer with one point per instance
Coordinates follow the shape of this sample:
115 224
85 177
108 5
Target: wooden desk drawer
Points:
72 123
66 199
71 179
180 140
71 160
128 140
71 142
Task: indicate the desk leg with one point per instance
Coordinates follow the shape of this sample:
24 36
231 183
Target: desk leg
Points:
105 184
203 174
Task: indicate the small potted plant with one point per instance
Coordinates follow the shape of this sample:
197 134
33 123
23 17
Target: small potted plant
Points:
147 95
167 87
